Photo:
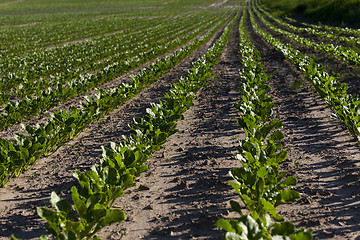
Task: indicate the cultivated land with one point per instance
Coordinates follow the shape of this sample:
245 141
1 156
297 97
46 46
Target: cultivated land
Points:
75 74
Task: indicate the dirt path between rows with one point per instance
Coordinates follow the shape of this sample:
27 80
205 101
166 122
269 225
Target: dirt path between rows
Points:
8 3
20 197
84 39
322 154
8 134
347 73
21 25
186 191
214 5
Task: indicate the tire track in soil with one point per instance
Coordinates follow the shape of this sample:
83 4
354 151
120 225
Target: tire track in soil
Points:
20 197
322 154
185 190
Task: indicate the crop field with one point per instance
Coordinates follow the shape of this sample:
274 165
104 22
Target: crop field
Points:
176 119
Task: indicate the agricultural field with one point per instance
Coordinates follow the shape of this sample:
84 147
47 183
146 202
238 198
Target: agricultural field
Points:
177 119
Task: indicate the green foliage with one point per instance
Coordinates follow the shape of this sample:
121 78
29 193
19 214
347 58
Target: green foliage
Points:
337 11
247 228
65 125
37 96
345 106
259 183
122 163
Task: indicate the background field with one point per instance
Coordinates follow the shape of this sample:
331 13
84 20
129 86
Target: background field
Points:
340 12
82 75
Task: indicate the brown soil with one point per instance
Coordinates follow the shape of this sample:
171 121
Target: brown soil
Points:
322 154
347 73
185 190
20 197
76 101
305 34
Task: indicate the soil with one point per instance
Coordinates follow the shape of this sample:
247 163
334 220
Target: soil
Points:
20 197
8 133
348 74
322 154
186 190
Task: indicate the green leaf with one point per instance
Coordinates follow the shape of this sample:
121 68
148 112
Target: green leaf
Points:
302 235
111 176
14 238
74 226
276 137
112 216
260 186
281 156
79 204
287 196
93 200
283 229
274 124
225 224
96 238
95 215
69 121
48 215
261 172
235 206
289 181
129 157
268 207
233 236
62 205
67 235
30 130
52 218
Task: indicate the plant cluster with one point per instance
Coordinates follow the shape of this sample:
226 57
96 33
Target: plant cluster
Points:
327 33
342 53
327 28
335 11
123 162
65 125
345 106
259 182
63 63
74 82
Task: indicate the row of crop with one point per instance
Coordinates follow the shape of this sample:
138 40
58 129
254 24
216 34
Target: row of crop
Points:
322 27
327 28
344 54
259 183
121 164
36 105
22 74
42 30
328 35
19 156
48 29
346 107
